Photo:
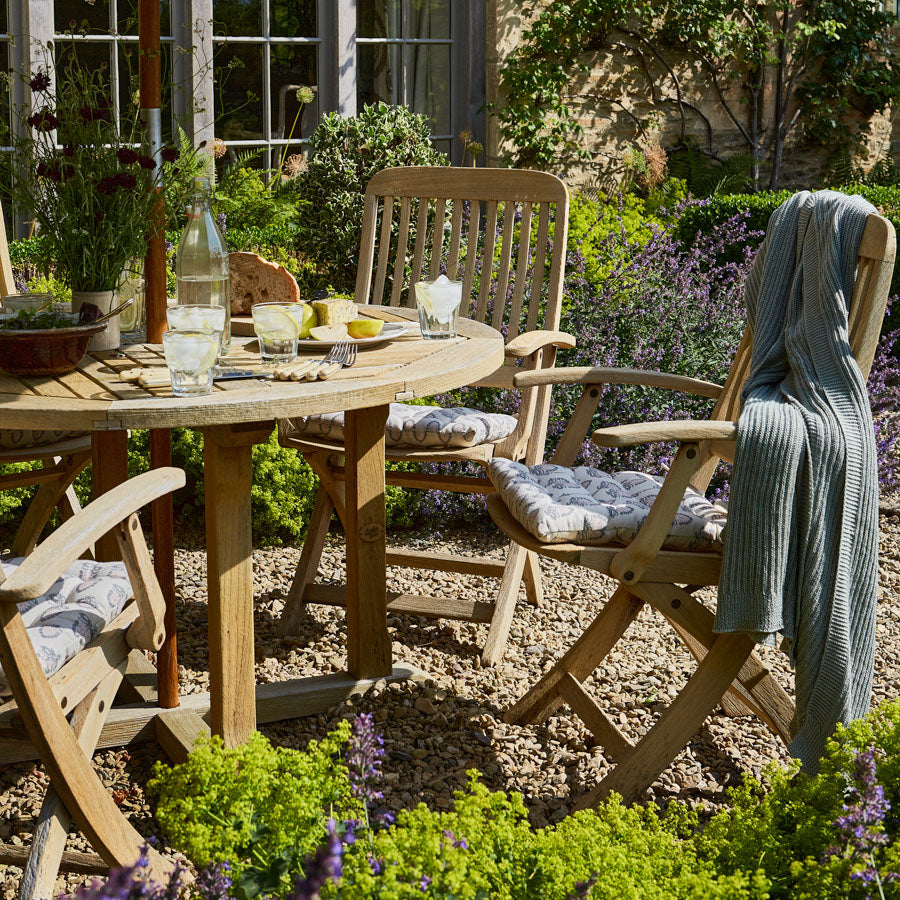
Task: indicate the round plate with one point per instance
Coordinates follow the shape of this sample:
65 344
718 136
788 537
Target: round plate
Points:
390 331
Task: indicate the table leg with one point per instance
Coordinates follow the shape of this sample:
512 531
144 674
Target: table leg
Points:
164 566
228 477
368 641
109 467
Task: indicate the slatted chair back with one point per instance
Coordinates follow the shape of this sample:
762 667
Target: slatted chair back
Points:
7 282
875 266
463 222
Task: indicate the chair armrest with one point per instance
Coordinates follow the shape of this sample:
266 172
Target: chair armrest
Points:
53 556
605 375
678 430
530 341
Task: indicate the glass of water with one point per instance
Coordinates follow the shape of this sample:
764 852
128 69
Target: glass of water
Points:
194 317
191 358
438 304
277 330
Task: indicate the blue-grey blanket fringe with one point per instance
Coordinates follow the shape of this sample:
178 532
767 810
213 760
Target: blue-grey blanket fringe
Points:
801 547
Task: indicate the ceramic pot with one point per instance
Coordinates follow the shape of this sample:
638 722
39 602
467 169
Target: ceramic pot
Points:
105 300
51 351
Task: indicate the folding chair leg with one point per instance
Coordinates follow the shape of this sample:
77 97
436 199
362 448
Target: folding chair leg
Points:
504 606
53 822
310 557
580 660
680 721
70 770
534 588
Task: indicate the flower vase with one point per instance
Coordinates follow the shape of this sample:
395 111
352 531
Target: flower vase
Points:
105 300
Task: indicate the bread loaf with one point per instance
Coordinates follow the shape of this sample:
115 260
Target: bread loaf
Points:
256 280
334 310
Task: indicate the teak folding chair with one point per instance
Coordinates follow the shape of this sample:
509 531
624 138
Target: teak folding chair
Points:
67 627
649 571
441 208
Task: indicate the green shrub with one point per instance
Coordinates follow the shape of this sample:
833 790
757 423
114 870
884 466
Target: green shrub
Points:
262 808
344 155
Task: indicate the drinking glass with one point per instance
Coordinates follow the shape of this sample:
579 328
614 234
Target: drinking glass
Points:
438 304
197 317
191 358
277 330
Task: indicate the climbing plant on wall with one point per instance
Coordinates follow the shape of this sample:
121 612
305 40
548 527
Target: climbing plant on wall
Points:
773 66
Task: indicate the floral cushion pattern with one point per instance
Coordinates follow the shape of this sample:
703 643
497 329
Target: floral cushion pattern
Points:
19 439
584 505
73 612
419 426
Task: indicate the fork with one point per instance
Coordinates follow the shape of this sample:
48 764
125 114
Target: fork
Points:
343 355
295 371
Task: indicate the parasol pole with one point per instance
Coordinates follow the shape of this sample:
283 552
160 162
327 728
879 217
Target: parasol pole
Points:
155 299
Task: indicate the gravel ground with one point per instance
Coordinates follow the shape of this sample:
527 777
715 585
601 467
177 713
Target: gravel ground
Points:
435 730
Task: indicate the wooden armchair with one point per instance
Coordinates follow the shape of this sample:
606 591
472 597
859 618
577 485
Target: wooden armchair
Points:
67 626
521 296
662 565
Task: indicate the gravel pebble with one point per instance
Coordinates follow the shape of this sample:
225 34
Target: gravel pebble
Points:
437 729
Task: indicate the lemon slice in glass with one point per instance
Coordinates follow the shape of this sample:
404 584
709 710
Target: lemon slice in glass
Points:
275 322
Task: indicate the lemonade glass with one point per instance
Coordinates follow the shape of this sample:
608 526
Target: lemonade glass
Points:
191 358
278 330
195 317
438 304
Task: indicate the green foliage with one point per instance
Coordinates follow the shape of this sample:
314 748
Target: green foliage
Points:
705 175
784 822
630 851
836 58
344 155
253 198
260 807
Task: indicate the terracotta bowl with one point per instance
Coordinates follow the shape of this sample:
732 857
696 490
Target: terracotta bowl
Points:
50 351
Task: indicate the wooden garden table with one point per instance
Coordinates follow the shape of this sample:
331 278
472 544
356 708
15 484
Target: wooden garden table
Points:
233 418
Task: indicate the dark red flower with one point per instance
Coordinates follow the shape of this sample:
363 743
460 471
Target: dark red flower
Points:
94 113
68 150
108 184
67 171
43 120
170 153
146 162
41 169
40 81
126 180
127 155
53 172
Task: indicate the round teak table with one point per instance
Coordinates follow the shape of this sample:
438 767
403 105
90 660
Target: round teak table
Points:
237 415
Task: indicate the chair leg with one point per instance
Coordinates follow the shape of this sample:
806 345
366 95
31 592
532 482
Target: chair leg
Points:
534 588
70 770
504 606
53 822
310 557
755 687
680 721
580 660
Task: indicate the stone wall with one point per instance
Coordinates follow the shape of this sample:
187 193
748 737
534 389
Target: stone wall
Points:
610 130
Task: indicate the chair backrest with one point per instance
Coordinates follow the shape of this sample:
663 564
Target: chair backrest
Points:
875 266
463 222
7 282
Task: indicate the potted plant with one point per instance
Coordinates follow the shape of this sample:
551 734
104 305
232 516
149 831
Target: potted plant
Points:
88 181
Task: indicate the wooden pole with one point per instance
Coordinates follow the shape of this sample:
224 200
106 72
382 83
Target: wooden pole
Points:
155 299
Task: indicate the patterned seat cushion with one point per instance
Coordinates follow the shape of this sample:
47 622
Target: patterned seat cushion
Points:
19 439
585 505
73 612
419 427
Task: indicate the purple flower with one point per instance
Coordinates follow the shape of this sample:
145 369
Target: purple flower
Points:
221 219
213 882
861 825
376 865
424 881
365 751
127 156
131 883
170 153
460 844
324 866
583 888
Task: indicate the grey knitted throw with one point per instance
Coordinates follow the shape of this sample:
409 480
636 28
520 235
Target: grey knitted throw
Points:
801 546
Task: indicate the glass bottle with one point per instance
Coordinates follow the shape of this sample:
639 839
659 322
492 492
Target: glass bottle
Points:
201 262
